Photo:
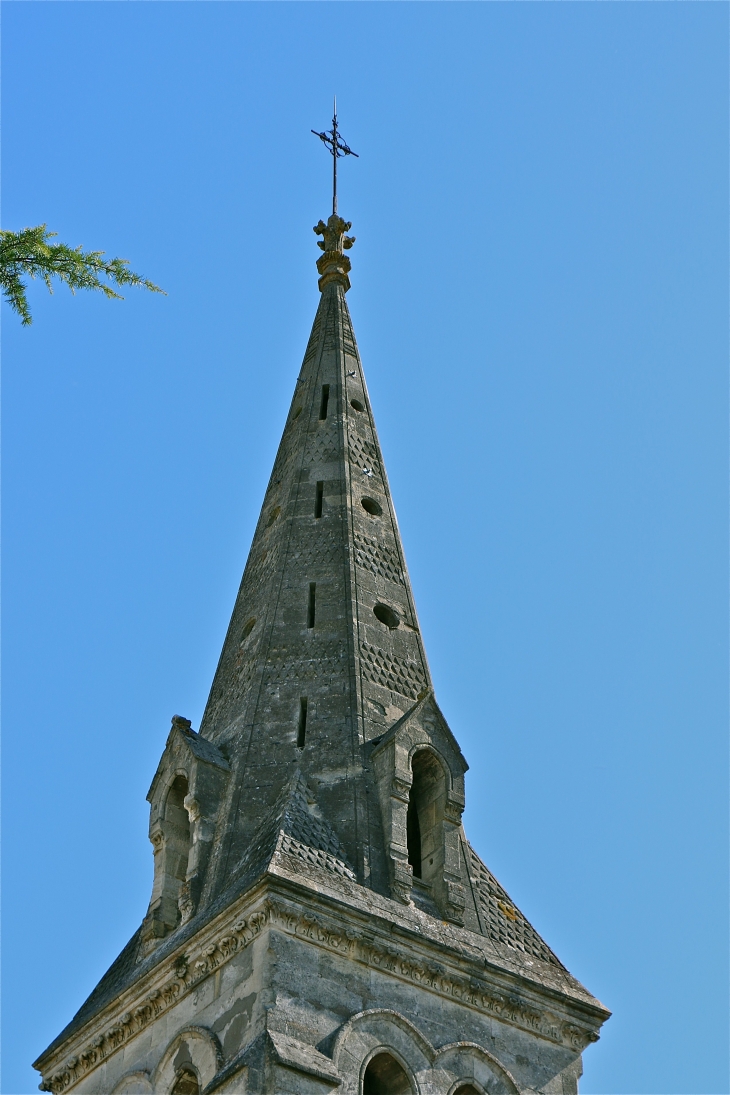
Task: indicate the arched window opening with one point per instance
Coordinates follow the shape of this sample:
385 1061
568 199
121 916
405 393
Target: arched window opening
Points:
177 829
414 837
425 839
466 1089
171 838
384 1076
186 1083
177 846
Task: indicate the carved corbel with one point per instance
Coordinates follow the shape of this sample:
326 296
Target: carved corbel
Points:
401 786
455 902
454 806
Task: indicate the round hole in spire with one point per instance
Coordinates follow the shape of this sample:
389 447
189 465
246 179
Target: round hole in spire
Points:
357 405
248 628
387 616
371 506
273 515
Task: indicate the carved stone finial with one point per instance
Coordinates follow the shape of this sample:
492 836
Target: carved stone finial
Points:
180 723
334 265
334 234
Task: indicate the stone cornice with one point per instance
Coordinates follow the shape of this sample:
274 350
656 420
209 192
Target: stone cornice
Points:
371 941
331 892
154 993
450 972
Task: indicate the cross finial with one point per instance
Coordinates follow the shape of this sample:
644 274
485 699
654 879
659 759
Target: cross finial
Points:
337 147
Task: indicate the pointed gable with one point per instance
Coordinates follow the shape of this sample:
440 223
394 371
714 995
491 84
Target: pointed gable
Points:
424 724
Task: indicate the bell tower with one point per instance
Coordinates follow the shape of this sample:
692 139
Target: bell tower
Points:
318 920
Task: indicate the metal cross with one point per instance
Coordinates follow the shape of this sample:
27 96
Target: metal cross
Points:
337 147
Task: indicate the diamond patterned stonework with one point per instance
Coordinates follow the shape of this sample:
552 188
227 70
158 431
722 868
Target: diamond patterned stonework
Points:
390 672
376 558
318 921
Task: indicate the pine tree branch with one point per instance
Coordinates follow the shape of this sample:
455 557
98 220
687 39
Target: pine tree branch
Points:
29 253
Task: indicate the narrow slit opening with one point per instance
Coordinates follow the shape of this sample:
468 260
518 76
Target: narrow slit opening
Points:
302 728
325 401
318 500
311 604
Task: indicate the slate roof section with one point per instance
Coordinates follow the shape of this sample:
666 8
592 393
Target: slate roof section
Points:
204 750
296 830
502 921
122 972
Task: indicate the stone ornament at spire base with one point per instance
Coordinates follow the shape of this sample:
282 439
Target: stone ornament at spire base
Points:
334 265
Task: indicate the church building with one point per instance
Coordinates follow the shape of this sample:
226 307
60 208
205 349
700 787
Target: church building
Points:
319 922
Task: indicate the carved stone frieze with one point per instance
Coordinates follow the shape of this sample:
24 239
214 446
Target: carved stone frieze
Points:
472 991
184 972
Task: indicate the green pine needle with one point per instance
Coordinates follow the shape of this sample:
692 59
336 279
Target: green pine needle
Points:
29 253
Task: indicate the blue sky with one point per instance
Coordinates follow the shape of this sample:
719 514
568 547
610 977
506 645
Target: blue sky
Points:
540 297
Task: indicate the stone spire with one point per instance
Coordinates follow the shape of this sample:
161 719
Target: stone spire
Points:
323 652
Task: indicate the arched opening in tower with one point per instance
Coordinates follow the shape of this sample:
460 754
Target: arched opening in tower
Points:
177 837
424 820
385 1076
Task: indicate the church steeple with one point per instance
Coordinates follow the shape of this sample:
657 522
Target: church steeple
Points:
318 919
323 652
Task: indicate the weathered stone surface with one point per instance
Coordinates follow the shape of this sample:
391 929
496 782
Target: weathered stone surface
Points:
318 920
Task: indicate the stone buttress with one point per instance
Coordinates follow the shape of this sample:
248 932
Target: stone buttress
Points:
318 920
